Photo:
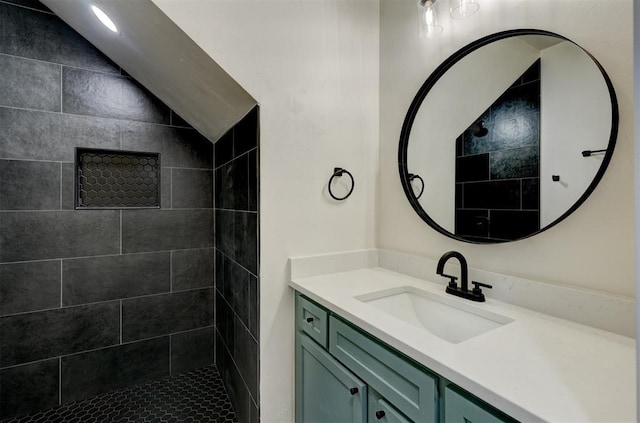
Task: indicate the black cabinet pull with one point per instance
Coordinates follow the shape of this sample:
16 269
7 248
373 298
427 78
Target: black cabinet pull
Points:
380 414
309 319
353 391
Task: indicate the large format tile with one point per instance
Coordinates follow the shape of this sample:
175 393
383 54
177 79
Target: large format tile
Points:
515 163
253 181
224 149
178 147
232 188
29 388
95 372
36 336
191 350
158 315
236 289
238 392
68 186
245 355
192 189
109 96
29 286
44 235
43 36
36 135
507 224
225 232
245 133
29 84
96 279
192 269
254 307
492 195
161 230
246 240
29 185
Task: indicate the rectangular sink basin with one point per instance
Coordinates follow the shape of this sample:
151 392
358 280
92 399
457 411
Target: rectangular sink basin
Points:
447 318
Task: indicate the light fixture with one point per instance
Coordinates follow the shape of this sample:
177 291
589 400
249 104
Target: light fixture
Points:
106 20
428 19
461 9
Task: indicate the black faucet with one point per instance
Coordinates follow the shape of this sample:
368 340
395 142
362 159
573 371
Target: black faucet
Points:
463 291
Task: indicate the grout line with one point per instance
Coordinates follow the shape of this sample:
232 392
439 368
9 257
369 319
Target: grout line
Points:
59 380
105 255
238 370
120 322
170 271
143 122
170 342
96 209
61 187
170 187
26 7
107 346
61 89
201 288
235 158
236 314
61 267
233 260
37 160
120 232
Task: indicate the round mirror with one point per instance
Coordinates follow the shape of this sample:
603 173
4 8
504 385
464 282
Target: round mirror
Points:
508 137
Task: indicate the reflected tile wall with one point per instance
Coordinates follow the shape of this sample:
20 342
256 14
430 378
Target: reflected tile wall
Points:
93 300
497 175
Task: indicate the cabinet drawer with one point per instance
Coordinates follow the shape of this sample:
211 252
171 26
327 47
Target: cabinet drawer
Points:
380 411
312 320
460 407
326 391
411 389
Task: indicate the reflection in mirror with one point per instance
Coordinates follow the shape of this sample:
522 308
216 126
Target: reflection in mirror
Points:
498 132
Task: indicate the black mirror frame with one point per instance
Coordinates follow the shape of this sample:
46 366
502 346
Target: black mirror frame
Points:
433 79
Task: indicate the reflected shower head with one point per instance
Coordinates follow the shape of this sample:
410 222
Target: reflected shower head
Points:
478 130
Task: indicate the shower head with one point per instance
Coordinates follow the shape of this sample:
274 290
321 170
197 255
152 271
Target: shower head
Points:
478 130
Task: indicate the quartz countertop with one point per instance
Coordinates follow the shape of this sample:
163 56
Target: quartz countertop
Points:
536 368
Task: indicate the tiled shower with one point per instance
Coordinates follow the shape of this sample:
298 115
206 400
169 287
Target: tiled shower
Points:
93 301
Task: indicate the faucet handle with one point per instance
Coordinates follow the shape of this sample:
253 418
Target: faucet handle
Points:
477 285
452 280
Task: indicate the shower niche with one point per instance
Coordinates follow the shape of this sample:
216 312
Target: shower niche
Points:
114 179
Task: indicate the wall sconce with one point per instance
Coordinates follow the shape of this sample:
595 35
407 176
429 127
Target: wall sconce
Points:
461 9
428 19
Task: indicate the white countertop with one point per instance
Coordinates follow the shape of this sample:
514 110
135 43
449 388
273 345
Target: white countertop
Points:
536 368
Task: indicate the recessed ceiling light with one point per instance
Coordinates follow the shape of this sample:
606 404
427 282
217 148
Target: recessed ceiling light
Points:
106 20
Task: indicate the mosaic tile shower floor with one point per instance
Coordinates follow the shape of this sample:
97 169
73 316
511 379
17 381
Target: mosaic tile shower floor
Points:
196 396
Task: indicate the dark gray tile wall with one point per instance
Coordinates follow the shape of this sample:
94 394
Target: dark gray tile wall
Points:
93 300
236 268
30 386
95 372
191 350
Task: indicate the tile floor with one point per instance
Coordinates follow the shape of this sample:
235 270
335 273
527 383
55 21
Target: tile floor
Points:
197 396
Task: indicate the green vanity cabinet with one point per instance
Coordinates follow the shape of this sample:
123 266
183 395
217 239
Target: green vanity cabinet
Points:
380 411
345 375
460 407
326 391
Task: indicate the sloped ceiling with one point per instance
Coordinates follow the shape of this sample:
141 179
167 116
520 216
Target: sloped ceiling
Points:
153 50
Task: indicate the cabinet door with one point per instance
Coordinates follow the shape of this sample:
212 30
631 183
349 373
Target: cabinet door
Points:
461 407
380 411
326 391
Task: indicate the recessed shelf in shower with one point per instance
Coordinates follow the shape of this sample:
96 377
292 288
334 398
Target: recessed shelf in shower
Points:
108 179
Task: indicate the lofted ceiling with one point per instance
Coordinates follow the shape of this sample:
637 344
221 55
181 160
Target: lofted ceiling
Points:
157 53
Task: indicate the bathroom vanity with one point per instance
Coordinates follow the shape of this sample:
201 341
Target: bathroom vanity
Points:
377 345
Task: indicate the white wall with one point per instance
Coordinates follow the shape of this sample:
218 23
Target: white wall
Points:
593 248
456 101
575 115
313 67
